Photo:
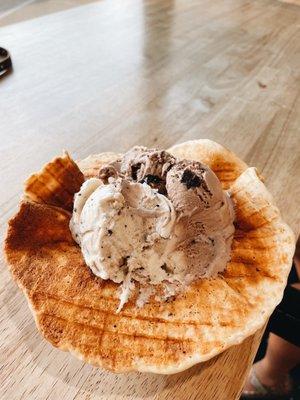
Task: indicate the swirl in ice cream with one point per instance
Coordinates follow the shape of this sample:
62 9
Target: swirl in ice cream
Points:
153 219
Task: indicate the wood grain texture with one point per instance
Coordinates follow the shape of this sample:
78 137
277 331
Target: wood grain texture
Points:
108 75
13 11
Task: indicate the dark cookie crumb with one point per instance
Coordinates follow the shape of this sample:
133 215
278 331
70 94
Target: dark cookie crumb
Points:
165 268
134 171
152 179
190 179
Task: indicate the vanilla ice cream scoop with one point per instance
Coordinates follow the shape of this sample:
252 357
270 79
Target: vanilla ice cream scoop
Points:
153 219
122 228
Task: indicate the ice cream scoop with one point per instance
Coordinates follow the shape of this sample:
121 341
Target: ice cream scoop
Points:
165 231
142 165
122 228
204 223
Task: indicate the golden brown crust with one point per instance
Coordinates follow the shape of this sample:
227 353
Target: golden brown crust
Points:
56 183
76 311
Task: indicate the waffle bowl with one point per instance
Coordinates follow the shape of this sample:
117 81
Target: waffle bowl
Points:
76 311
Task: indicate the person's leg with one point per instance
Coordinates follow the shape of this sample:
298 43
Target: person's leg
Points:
281 357
273 370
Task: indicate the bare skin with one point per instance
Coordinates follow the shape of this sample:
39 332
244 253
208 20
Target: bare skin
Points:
280 358
273 370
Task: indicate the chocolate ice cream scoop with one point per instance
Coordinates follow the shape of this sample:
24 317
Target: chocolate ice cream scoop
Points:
204 219
193 186
142 165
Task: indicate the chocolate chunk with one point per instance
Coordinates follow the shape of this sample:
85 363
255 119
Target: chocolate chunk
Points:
166 268
190 179
134 171
152 179
155 182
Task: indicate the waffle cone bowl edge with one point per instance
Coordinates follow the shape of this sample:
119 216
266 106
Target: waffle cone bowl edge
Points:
76 311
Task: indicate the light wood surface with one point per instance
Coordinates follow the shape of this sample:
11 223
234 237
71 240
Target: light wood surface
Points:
111 74
13 11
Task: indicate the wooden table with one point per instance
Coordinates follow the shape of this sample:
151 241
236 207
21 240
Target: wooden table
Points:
111 74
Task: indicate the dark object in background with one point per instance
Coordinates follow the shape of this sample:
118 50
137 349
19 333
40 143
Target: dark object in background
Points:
284 322
5 62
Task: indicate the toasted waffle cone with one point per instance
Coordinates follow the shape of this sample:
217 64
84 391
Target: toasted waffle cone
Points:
76 311
56 183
